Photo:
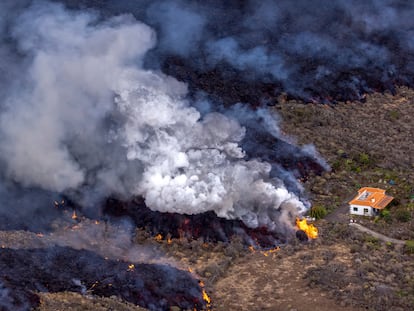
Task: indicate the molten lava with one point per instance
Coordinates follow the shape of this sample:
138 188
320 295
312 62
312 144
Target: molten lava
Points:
158 237
206 297
266 253
310 230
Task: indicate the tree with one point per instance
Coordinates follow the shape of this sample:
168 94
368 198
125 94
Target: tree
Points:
318 212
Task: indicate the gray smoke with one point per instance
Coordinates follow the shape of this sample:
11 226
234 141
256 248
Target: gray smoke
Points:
86 118
312 50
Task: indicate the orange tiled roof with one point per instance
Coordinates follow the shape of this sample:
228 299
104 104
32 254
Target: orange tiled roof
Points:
373 197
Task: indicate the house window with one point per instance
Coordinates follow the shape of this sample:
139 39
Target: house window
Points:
355 209
365 210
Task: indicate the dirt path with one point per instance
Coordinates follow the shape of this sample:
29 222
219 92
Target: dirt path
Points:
340 214
376 234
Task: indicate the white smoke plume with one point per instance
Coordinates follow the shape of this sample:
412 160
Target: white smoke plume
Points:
87 117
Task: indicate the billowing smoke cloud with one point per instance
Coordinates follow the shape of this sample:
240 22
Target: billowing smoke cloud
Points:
87 119
67 90
317 50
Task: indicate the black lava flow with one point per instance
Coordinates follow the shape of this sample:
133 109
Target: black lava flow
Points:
156 287
316 52
205 226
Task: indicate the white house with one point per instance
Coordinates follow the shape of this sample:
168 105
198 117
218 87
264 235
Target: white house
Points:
369 202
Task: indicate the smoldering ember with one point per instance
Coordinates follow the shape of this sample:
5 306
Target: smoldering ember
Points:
200 155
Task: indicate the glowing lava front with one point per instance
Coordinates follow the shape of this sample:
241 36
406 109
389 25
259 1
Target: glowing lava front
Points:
206 297
310 230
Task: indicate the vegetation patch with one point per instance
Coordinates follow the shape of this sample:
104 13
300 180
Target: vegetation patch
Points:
318 212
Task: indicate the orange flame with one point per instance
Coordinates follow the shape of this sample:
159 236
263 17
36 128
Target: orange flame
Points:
310 230
270 251
158 237
206 297
74 216
131 267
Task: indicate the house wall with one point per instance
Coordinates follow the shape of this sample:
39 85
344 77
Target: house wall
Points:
361 210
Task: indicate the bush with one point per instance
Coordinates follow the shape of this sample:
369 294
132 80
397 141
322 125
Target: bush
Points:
357 169
349 164
318 212
403 215
394 114
409 247
389 245
364 159
336 165
371 239
385 214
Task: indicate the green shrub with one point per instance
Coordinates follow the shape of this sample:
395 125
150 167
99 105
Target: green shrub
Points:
409 247
340 152
371 239
318 212
357 169
403 215
349 164
389 245
410 206
394 114
336 165
364 159
386 215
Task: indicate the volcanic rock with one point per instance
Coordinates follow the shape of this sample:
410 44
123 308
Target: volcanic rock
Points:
56 269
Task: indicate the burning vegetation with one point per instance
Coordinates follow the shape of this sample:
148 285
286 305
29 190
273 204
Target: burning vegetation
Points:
310 230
